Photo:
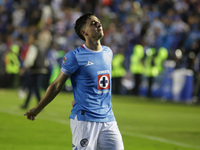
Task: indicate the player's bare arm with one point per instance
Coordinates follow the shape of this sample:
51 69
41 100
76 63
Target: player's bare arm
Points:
54 88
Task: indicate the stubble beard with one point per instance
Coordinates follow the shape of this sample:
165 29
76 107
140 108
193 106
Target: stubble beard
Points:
100 36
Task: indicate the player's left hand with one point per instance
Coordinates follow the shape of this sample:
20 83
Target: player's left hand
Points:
31 114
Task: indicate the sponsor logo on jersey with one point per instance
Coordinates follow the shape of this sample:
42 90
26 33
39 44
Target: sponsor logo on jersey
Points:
103 81
89 63
103 72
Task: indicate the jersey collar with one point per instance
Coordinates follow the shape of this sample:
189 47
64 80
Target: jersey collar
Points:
86 48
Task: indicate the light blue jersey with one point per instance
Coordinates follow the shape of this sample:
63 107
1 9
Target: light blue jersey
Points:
90 74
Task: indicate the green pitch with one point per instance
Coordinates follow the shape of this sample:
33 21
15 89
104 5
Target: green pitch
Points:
145 124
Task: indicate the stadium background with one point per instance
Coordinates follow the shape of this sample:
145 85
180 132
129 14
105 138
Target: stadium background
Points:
170 24
150 24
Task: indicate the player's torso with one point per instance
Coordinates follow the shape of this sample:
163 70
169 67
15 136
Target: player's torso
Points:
94 68
92 86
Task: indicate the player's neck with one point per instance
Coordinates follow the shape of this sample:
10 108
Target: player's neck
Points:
93 45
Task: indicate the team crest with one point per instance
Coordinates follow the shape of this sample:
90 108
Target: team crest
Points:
107 57
64 59
84 142
103 82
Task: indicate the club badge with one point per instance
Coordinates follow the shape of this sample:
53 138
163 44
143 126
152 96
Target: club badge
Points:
103 82
107 58
84 142
64 59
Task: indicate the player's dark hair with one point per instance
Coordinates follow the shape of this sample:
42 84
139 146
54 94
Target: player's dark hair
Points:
80 22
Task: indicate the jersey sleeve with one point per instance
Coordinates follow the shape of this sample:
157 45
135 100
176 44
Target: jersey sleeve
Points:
69 64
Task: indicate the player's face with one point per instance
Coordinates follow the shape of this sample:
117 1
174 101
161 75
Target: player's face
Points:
93 28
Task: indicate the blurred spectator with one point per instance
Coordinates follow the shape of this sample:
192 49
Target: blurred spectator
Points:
12 66
118 72
2 65
35 63
196 93
18 16
160 58
137 67
151 70
171 24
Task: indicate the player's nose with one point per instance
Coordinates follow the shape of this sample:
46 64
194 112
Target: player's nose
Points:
98 24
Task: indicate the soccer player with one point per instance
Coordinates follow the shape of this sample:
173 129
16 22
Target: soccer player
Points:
92 121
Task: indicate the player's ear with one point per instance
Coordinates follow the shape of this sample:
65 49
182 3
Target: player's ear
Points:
83 33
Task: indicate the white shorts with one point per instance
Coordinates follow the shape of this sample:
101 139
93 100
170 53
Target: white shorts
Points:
95 135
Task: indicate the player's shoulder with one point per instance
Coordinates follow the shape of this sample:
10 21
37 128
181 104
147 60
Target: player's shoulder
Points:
78 50
74 52
106 48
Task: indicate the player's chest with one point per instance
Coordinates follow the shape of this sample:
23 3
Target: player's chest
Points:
95 62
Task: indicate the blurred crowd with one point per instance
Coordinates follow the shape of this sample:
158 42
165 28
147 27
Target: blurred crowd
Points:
152 24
